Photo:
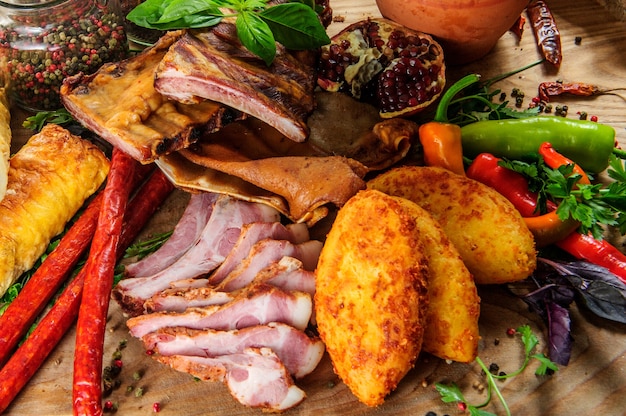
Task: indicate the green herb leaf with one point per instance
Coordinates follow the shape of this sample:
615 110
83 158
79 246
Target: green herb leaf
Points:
546 365
295 25
256 35
177 10
528 338
450 393
40 119
594 205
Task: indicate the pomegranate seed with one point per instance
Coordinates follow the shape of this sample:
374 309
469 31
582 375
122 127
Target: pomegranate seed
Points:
156 407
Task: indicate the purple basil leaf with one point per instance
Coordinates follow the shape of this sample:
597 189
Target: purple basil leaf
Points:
599 290
559 338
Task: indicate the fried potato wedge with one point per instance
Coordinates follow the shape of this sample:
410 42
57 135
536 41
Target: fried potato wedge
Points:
489 233
371 293
451 327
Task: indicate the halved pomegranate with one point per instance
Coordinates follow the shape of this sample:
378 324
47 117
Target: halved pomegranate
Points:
397 69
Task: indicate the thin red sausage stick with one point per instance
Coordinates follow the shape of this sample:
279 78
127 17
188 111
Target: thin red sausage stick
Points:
100 270
53 271
28 358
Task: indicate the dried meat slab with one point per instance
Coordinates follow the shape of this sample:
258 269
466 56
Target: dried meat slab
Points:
214 65
119 103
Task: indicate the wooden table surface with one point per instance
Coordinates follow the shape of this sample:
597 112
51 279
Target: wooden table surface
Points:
593 383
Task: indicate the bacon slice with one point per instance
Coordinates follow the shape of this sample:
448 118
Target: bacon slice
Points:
253 233
287 274
217 239
179 300
300 353
256 377
264 253
186 233
214 65
258 304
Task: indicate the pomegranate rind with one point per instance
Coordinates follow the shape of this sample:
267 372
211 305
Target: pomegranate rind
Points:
360 54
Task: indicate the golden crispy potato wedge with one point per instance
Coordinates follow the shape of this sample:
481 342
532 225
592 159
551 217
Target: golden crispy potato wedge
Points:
451 327
371 293
487 230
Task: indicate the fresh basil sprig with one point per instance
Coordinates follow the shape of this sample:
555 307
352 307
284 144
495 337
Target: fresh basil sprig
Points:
259 26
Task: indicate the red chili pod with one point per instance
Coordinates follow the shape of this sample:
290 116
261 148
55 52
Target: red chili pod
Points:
545 30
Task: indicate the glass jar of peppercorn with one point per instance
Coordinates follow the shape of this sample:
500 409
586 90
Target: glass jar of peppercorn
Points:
44 41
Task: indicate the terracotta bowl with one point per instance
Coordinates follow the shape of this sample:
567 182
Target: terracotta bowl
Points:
466 29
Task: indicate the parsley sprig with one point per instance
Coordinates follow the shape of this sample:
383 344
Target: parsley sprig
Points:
36 122
451 393
259 25
594 205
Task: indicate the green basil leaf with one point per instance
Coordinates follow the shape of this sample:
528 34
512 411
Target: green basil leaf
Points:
256 35
174 10
145 13
250 5
296 26
149 14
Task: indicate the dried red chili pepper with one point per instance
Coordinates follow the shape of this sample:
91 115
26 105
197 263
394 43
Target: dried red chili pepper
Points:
555 88
546 90
546 32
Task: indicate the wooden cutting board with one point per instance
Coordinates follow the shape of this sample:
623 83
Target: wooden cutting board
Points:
593 383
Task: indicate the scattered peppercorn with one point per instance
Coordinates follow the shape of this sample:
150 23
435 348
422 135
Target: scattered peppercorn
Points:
430 414
156 407
493 368
594 118
496 341
80 39
582 115
578 40
511 331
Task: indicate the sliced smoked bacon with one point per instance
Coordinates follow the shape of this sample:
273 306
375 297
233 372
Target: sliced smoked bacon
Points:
208 252
263 254
299 352
258 304
214 65
251 234
185 234
287 274
256 377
